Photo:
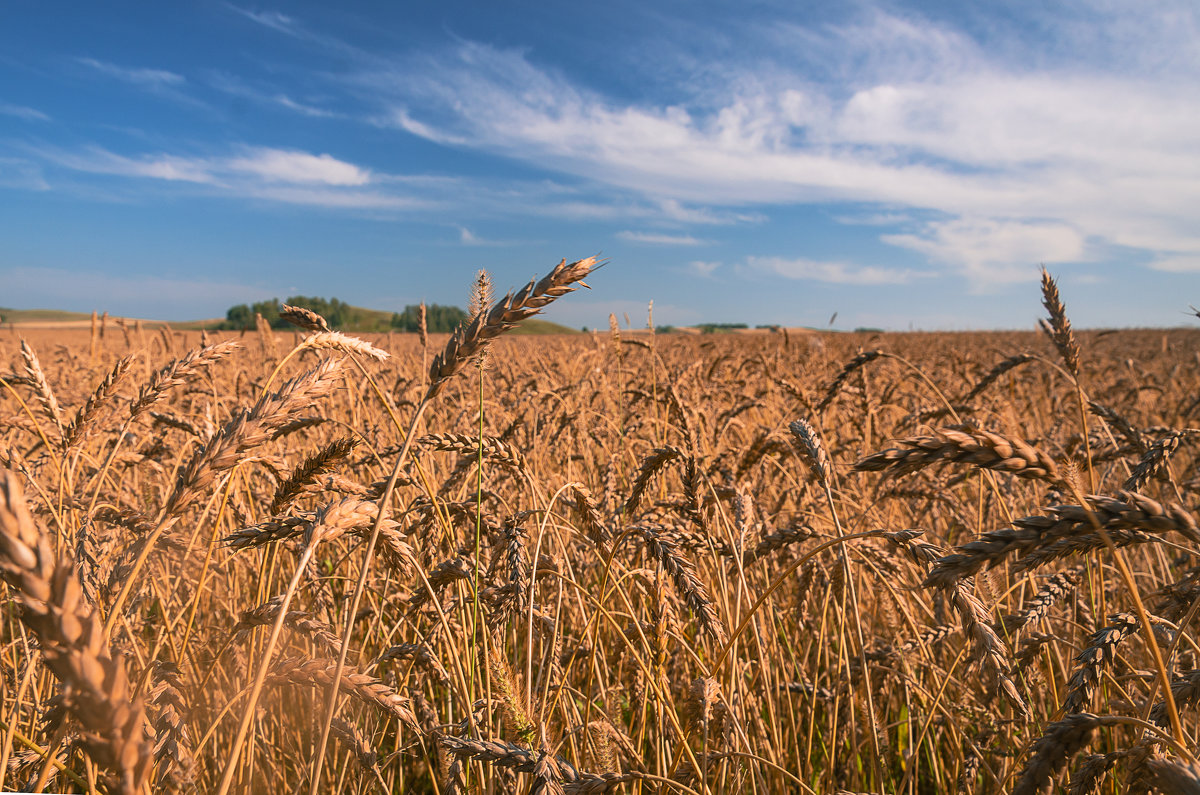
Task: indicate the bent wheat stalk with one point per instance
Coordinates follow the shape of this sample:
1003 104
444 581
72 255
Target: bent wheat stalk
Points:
464 344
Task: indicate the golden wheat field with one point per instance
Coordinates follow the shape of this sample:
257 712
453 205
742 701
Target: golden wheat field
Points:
817 563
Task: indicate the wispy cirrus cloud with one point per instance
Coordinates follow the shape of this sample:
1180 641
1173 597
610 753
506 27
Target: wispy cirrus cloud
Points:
146 78
266 163
833 272
20 173
228 84
22 112
258 173
157 82
660 239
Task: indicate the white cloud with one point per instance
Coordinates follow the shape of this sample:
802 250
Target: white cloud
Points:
1025 163
279 165
1187 263
833 272
659 239
147 78
22 112
469 238
677 211
277 175
95 160
995 251
271 19
703 269
873 219
335 198
262 165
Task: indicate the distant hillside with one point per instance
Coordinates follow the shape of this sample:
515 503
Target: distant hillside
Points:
40 316
369 320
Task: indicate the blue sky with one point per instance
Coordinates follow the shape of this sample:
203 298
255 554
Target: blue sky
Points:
903 165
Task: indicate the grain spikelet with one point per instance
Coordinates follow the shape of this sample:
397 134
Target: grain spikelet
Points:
72 643
468 340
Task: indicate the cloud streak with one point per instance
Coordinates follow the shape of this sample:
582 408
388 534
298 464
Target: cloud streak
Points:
22 112
260 173
1004 165
146 78
833 272
659 239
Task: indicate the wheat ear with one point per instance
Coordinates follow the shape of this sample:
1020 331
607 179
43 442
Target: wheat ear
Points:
72 643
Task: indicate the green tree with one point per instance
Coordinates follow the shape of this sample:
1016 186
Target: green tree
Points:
438 319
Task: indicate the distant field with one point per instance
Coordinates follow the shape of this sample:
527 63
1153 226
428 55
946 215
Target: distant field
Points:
687 563
60 319
690 507
41 316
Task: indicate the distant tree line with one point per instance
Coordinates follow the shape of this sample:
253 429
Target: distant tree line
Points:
439 319
715 328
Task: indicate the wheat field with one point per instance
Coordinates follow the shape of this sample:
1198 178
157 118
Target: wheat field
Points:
776 562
